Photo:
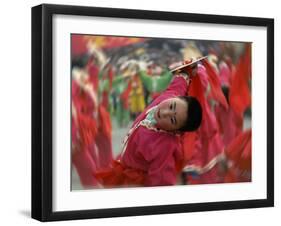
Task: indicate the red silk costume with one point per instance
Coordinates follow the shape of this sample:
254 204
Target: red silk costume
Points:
239 155
204 147
239 93
230 123
91 133
78 45
103 139
150 156
84 129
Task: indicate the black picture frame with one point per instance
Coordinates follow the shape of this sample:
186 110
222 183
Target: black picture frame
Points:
42 108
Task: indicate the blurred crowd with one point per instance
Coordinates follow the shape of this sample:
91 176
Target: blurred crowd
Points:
115 78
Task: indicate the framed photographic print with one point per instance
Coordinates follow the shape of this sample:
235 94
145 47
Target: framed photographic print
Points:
140 112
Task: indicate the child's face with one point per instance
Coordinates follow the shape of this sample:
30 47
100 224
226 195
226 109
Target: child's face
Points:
171 114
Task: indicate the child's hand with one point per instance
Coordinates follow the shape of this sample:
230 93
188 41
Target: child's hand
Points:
189 66
179 67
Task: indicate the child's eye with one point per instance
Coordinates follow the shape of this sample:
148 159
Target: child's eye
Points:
171 106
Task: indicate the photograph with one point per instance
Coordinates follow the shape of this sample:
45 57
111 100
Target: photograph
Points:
159 112
140 112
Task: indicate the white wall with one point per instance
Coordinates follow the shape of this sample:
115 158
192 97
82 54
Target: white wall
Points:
15 120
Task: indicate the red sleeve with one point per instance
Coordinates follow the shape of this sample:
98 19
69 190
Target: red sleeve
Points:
178 87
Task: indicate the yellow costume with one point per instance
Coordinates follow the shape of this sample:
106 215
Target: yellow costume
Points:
136 98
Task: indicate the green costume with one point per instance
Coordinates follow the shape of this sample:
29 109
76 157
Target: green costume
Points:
120 85
156 83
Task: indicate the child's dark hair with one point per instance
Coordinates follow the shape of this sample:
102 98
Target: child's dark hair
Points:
194 114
